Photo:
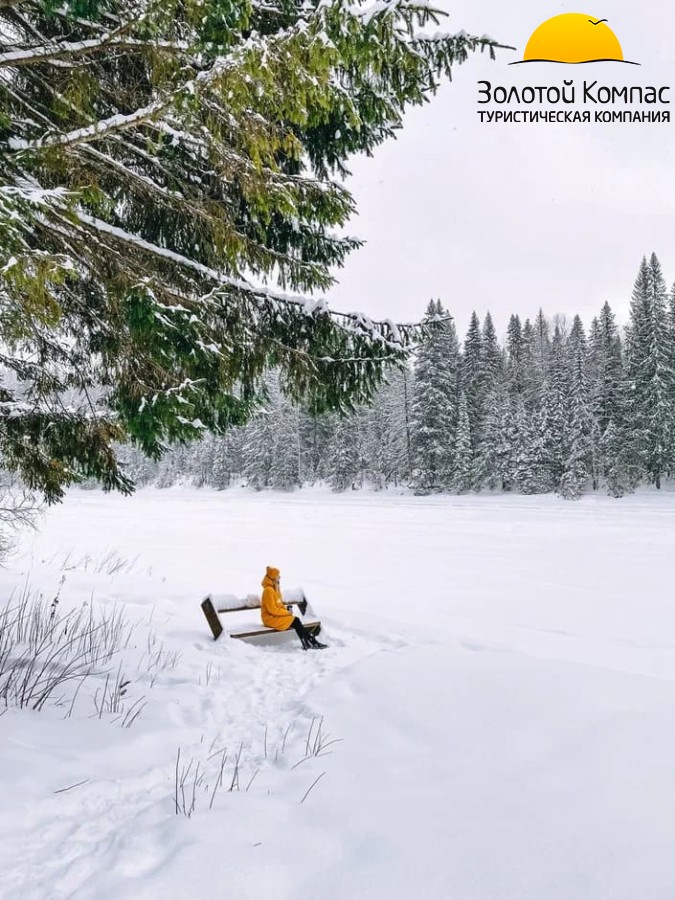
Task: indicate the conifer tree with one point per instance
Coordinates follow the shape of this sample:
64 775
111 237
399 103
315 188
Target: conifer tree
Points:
463 463
515 351
259 437
174 468
202 462
316 433
170 195
539 453
493 358
258 445
576 342
344 455
576 473
637 334
435 403
136 466
522 437
616 463
407 383
555 407
493 457
387 434
286 464
607 369
578 432
221 466
542 345
473 376
530 373
651 373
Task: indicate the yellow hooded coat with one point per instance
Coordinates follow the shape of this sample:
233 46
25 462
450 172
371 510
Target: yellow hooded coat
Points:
274 613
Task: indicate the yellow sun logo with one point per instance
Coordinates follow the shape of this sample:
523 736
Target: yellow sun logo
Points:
573 38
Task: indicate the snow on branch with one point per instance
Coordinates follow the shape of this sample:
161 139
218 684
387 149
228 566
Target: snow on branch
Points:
362 323
69 50
99 129
121 122
16 409
390 337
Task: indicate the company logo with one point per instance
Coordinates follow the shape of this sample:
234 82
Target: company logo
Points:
573 39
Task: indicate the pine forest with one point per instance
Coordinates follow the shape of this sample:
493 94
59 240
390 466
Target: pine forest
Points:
555 407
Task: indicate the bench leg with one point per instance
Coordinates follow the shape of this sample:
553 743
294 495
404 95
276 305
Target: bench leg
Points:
209 611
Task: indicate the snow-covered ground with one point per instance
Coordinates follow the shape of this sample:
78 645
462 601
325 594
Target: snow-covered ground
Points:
500 683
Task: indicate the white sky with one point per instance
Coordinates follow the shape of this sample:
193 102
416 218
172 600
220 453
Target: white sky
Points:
513 217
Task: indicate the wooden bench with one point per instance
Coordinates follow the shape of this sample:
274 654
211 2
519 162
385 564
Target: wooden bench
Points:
213 610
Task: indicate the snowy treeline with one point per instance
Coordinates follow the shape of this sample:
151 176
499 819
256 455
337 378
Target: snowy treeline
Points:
556 408
284 447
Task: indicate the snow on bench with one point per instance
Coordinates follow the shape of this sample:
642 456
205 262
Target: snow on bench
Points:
216 604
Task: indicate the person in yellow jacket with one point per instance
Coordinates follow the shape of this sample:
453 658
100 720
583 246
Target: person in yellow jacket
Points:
275 614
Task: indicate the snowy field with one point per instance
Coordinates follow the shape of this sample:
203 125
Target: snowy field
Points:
500 687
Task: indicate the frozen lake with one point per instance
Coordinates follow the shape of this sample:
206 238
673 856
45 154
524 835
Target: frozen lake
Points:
500 676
